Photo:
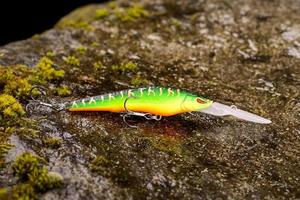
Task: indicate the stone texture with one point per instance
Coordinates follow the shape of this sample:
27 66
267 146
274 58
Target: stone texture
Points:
235 52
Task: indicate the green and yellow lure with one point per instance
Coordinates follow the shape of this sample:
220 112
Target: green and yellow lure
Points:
153 100
153 103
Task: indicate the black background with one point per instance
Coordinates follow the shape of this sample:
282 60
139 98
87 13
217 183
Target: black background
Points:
24 18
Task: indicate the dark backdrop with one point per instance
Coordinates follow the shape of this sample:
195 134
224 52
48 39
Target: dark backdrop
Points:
23 18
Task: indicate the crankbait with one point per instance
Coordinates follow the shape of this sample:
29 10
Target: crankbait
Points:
155 102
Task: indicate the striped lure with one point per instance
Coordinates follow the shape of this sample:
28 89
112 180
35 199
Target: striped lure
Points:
153 100
153 103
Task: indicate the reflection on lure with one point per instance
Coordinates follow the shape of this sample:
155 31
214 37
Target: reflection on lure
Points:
155 102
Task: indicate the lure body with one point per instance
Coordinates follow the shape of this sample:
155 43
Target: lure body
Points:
154 100
151 103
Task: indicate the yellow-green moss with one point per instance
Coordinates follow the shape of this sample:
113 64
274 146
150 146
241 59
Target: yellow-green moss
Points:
176 22
4 148
95 44
36 36
30 169
19 87
131 13
112 5
3 193
98 65
166 144
25 164
18 80
101 13
63 91
10 110
15 80
50 54
26 132
111 169
82 49
127 67
42 180
6 75
99 163
72 60
2 55
5 132
138 81
77 24
23 191
54 142
74 24
44 71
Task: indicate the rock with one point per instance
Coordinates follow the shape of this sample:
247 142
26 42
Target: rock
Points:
293 51
212 48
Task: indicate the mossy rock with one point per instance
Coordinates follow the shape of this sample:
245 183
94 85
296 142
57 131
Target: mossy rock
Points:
42 180
25 164
234 52
10 110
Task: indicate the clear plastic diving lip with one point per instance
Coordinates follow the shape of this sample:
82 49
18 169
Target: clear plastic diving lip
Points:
218 109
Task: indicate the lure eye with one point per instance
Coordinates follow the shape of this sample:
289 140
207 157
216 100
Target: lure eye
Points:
200 100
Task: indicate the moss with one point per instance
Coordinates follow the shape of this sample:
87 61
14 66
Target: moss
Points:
99 163
176 23
138 81
127 67
95 44
26 132
45 71
23 192
132 13
29 168
54 142
19 87
10 110
6 75
81 49
166 144
72 60
4 148
63 91
101 13
25 164
2 55
74 24
12 83
36 36
50 54
98 65
18 80
5 133
77 25
15 80
43 181
3 193
112 5
117 172
122 177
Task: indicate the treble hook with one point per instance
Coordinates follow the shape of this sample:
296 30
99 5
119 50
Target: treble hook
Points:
35 102
129 113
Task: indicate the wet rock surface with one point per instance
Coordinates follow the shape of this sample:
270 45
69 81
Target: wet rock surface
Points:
244 53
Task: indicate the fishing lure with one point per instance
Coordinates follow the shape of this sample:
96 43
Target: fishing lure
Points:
155 102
